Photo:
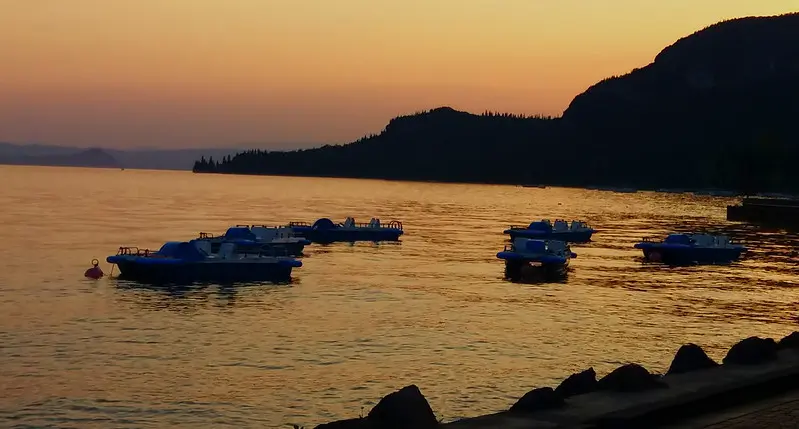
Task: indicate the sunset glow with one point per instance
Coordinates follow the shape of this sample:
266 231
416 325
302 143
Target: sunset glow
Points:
191 73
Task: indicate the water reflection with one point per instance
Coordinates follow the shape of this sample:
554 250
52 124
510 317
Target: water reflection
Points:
538 277
200 295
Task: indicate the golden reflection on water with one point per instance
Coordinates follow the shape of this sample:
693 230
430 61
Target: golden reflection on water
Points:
358 321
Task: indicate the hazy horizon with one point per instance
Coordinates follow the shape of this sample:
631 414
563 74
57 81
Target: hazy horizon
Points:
145 147
213 73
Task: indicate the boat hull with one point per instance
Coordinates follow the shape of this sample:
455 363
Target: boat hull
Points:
567 236
765 214
327 236
523 270
687 256
187 272
290 249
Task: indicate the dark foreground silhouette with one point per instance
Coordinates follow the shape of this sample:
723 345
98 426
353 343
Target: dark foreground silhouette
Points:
716 109
630 396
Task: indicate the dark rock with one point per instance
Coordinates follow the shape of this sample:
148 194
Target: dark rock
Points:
630 378
752 351
690 357
578 384
405 408
359 423
543 398
791 341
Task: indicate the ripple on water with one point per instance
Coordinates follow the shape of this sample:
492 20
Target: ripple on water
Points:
359 320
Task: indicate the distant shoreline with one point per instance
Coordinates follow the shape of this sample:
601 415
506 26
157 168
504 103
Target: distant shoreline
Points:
609 188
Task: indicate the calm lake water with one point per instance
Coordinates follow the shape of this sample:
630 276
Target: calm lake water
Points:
358 321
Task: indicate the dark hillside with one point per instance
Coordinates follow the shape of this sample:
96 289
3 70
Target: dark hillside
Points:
715 109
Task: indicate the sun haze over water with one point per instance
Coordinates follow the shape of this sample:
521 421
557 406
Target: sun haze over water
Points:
184 73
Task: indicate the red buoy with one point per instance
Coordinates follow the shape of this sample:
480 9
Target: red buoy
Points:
94 272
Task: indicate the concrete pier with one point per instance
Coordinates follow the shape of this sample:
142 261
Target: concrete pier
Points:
778 412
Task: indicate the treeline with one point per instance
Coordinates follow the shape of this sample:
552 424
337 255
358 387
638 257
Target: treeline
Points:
441 145
533 151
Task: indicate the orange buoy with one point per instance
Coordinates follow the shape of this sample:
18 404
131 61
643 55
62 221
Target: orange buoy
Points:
94 272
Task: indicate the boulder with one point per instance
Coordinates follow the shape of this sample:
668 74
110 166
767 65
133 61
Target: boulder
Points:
405 408
751 351
543 398
791 341
630 378
690 357
577 384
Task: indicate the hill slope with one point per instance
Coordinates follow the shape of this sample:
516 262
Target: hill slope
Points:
716 108
151 159
726 93
82 158
441 144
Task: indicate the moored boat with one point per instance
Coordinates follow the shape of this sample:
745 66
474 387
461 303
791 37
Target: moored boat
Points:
185 262
326 231
526 257
277 241
766 211
576 232
685 249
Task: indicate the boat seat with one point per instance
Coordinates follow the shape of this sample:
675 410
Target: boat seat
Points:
703 240
556 246
226 250
560 225
203 246
374 223
263 233
526 245
349 222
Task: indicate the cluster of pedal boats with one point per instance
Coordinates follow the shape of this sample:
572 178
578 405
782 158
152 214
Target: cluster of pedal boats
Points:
244 253
542 249
248 253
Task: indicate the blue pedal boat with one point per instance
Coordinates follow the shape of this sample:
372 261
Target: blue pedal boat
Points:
687 249
186 262
524 256
325 231
275 241
576 232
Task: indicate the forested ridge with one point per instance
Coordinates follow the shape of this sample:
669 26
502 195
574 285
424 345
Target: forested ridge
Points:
717 109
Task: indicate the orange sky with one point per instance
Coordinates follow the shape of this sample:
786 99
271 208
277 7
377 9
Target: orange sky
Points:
193 73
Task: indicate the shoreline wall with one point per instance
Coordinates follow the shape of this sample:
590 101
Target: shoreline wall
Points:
630 395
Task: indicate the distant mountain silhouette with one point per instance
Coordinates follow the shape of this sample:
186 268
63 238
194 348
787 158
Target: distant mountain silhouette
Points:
86 158
715 109
151 159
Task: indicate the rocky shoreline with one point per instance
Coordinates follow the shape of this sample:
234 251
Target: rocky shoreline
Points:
629 396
